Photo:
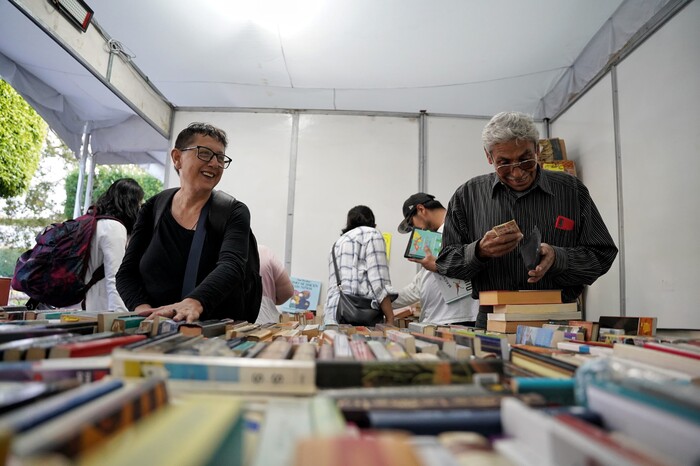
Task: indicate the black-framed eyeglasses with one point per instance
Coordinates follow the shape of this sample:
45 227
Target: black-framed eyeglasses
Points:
205 155
528 164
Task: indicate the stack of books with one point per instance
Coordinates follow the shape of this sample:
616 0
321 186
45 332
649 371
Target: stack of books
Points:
533 308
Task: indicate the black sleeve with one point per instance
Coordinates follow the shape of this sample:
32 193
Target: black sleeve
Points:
229 271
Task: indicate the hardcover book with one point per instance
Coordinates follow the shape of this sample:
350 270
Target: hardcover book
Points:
126 324
339 374
630 325
566 166
528 335
419 240
92 348
535 308
537 316
194 373
552 149
499 297
503 326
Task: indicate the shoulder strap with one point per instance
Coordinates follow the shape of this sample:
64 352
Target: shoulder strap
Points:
335 265
221 204
190 280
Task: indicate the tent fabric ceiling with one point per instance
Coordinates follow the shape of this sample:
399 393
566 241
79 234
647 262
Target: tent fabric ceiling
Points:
457 57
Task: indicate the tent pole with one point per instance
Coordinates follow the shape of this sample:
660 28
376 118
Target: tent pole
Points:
423 151
291 192
90 183
620 200
81 173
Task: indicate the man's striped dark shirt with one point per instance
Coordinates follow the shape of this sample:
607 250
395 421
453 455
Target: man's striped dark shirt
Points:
583 253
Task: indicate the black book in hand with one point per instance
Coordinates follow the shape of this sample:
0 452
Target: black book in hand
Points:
530 249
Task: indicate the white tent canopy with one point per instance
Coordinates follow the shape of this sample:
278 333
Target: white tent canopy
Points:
455 57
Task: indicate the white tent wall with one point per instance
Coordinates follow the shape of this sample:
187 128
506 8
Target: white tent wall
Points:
259 144
587 128
658 145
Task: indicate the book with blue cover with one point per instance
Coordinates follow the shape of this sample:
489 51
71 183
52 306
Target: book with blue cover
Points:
419 239
305 297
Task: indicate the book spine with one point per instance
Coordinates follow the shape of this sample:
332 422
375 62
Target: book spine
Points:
396 351
672 350
231 374
337 374
341 347
93 348
404 339
36 414
126 408
278 349
379 350
360 351
305 352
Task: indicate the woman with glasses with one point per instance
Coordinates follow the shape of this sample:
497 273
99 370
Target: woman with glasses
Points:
161 274
360 256
576 247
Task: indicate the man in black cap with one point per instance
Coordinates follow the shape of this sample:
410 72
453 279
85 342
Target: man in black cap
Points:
443 300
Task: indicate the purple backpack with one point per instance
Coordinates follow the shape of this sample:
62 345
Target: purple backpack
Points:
53 271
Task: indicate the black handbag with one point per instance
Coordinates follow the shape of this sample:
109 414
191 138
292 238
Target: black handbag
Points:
353 309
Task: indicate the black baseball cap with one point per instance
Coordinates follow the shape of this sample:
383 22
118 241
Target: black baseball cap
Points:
409 209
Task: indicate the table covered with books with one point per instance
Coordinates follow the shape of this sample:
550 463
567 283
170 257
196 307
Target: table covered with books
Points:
114 388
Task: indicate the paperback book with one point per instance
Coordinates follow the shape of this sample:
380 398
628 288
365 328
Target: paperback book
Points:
420 239
305 297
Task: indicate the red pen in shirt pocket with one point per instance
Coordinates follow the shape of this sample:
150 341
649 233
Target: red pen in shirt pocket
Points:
563 223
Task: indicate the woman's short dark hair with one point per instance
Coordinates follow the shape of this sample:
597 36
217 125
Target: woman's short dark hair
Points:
186 136
359 216
121 200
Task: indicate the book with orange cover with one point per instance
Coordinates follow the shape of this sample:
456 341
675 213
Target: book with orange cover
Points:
93 348
500 297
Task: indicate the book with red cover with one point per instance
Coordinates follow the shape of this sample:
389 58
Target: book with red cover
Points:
93 348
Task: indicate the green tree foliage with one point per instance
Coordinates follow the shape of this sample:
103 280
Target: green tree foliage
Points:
105 175
23 216
8 259
22 133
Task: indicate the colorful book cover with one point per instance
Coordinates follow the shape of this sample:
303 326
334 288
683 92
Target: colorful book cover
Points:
419 239
305 297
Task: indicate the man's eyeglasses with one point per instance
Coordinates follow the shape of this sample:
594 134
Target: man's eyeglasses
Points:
528 164
205 155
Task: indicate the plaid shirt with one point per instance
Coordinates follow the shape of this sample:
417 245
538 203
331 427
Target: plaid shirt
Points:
362 263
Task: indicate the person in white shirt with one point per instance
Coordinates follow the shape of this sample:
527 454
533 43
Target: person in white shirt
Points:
121 201
277 286
423 211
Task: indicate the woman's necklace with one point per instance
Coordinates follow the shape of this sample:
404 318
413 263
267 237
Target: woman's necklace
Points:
194 227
